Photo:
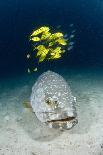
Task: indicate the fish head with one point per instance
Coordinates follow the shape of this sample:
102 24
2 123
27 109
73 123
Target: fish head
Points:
53 103
60 117
54 111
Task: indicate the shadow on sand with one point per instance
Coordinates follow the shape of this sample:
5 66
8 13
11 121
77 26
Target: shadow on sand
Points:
36 129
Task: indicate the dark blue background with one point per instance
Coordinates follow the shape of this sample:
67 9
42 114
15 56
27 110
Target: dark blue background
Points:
19 17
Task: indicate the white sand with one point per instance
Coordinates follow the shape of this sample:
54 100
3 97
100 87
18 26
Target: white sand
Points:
22 134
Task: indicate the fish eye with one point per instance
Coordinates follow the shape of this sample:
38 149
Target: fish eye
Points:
48 102
56 102
52 103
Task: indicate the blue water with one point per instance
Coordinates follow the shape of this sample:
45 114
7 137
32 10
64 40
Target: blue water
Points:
18 18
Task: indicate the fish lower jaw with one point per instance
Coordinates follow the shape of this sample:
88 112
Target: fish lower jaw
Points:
63 124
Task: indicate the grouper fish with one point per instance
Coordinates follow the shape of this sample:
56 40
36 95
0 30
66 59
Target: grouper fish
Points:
52 101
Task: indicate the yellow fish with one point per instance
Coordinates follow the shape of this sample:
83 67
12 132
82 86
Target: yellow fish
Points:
35 39
56 35
40 30
61 41
56 53
55 56
42 52
45 35
51 43
40 47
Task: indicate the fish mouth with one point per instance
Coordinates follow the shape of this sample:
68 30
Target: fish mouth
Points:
63 124
62 120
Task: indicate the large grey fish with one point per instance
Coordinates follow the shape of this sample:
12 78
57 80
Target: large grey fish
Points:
52 101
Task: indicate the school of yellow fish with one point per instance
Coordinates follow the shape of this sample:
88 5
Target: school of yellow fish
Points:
47 45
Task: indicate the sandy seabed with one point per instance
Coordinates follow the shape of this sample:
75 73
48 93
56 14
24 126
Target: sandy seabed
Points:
22 134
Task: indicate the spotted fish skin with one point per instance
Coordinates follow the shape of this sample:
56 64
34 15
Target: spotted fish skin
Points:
53 102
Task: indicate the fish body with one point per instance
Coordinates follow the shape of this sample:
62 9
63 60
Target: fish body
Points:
72 36
29 71
35 69
70 48
52 101
71 25
28 56
71 43
40 30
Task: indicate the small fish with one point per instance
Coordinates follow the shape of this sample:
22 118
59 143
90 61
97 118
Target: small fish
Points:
71 25
73 31
71 43
52 101
35 69
66 36
72 36
29 71
58 26
70 48
28 56
66 39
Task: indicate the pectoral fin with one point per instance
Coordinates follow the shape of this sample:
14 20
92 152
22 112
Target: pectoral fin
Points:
27 105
